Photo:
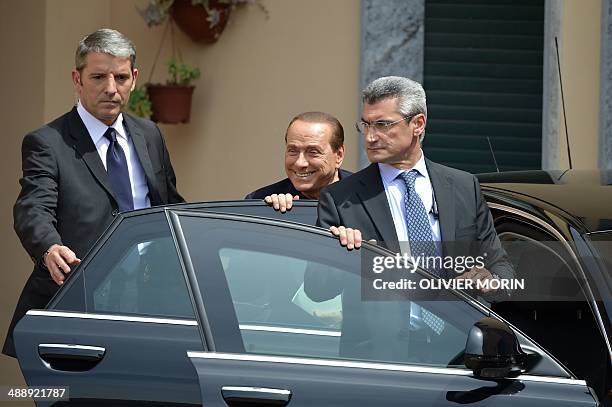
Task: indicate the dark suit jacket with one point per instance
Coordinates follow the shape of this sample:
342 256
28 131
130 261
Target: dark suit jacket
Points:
360 202
66 197
285 187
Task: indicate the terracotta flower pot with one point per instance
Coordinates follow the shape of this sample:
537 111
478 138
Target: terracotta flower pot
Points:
197 23
171 104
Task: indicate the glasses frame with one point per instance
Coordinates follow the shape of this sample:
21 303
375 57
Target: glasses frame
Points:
379 125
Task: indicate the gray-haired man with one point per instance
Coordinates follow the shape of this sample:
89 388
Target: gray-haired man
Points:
83 168
404 197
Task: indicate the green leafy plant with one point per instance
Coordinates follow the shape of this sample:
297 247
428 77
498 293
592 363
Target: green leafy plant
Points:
139 103
181 73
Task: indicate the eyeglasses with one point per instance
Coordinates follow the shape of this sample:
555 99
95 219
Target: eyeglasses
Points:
381 126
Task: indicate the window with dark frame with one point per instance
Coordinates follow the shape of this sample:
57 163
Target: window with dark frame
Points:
483 77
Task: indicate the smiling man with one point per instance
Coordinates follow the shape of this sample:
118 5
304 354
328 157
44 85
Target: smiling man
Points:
83 168
314 151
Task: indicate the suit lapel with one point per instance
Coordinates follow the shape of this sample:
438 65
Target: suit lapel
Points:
445 199
372 194
85 147
140 145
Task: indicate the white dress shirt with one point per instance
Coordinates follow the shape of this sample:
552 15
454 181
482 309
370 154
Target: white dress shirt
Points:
395 188
96 129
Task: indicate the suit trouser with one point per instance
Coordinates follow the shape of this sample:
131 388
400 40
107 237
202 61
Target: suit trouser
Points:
38 291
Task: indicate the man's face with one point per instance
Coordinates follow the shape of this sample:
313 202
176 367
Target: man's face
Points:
397 144
310 162
104 85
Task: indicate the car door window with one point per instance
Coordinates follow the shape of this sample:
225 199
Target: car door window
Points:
249 274
601 244
136 272
553 303
295 291
134 309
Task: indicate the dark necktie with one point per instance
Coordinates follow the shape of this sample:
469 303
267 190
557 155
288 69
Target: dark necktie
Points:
117 169
421 238
419 230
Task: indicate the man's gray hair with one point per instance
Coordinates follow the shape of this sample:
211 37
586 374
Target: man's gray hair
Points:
410 95
105 41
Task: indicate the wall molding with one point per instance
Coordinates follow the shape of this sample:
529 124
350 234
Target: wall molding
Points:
392 43
605 94
551 92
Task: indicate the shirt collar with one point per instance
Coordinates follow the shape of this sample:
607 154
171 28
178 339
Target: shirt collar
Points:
389 173
96 128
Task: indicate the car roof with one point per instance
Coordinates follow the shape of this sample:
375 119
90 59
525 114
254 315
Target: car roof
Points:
584 194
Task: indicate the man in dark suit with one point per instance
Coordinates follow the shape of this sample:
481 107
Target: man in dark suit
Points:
404 202
83 168
314 151
373 199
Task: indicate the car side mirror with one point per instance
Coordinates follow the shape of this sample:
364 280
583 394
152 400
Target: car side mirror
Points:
492 350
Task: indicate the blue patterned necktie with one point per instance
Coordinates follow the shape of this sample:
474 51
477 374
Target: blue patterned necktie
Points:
419 230
421 238
117 169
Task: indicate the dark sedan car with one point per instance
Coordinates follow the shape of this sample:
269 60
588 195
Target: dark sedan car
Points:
205 304
562 223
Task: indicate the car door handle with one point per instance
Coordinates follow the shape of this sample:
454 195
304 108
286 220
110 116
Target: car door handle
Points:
235 395
71 357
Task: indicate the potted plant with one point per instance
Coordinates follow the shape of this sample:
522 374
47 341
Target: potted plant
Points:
171 102
139 103
202 20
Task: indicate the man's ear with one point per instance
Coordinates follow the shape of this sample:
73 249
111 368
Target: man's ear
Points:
76 79
419 124
339 156
135 75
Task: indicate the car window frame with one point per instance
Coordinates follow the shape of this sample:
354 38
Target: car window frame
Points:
72 277
537 221
573 266
79 274
205 326
584 243
524 216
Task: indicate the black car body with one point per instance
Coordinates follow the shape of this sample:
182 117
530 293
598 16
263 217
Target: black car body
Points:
572 209
204 304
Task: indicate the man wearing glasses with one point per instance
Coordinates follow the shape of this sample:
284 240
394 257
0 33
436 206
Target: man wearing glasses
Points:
404 197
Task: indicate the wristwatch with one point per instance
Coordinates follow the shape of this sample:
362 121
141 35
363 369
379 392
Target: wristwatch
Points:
43 265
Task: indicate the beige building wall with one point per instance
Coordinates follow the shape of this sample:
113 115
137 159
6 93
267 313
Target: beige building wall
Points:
66 22
22 33
580 61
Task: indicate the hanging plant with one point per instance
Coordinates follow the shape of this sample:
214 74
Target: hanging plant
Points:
202 20
171 102
180 73
168 102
